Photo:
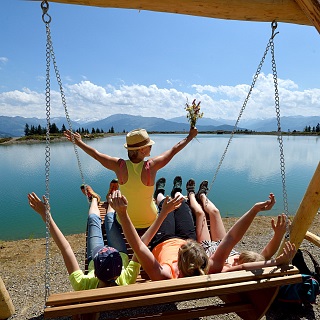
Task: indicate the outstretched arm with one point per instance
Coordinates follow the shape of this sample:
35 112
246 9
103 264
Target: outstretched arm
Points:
145 256
167 206
68 255
279 229
289 250
236 233
160 161
107 161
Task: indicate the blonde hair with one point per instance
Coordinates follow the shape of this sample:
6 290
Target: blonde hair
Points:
192 259
250 256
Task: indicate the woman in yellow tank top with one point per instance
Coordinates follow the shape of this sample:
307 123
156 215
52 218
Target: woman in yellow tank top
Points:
136 175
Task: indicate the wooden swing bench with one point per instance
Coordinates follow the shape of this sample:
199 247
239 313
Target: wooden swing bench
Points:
247 293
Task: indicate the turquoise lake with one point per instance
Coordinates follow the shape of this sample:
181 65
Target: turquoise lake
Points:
249 172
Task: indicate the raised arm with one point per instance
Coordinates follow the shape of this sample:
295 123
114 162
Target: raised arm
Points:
68 255
160 161
236 233
167 206
111 163
145 256
279 229
289 250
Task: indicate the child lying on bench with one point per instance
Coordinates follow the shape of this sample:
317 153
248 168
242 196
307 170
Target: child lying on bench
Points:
174 250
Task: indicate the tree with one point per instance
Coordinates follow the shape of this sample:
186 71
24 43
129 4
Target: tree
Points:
63 128
26 130
54 128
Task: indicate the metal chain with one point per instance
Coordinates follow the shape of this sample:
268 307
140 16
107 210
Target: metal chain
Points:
64 103
45 7
280 140
50 55
243 107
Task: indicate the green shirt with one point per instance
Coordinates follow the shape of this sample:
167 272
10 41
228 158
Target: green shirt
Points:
129 273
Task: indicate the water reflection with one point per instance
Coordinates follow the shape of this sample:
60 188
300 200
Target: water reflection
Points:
251 169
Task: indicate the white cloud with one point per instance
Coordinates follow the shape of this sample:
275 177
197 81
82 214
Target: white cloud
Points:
3 60
88 101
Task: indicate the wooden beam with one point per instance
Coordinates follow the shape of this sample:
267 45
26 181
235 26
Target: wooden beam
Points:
306 212
6 305
311 8
247 10
313 238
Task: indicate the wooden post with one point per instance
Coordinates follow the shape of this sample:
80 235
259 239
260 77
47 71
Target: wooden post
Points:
6 306
312 238
308 208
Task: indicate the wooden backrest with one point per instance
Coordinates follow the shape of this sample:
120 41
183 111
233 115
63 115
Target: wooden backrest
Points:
249 293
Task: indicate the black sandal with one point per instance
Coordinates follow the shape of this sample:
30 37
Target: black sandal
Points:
202 189
190 186
177 182
160 185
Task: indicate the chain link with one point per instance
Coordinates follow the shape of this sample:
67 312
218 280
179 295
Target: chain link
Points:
50 55
47 166
64 103
270 45
242 109
280 140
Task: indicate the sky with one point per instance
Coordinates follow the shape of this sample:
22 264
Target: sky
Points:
146 63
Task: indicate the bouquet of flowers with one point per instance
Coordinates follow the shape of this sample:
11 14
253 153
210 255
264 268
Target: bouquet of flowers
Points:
193 112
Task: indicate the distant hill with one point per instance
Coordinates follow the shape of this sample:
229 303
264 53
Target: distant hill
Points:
14 126
297 123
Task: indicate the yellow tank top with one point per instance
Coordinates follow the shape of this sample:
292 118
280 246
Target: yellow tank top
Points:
141 207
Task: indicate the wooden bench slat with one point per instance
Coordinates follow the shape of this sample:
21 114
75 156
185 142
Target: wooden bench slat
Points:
166 285
148 298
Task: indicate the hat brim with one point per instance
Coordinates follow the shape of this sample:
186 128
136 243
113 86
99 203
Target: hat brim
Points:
150 143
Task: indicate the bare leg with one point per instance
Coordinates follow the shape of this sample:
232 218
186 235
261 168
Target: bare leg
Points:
94 209
202 230
217 229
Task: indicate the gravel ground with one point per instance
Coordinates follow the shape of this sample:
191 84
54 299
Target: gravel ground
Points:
23 269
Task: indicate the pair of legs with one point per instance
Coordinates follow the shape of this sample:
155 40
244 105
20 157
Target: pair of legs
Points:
202 207
94 223
178 223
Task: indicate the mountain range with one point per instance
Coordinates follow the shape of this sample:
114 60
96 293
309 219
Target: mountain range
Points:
14 126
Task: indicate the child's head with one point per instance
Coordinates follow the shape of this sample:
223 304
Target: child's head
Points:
107 263
249 256
192 259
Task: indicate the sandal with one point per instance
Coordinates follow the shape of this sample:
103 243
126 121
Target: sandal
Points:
177 183
88 191
203 188
160 185
190 186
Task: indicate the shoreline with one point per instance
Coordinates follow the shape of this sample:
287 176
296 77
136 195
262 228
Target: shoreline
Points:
15 140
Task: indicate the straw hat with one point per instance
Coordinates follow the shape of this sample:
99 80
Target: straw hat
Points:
137 139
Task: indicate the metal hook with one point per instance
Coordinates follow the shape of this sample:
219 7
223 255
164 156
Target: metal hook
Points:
274 26
45 8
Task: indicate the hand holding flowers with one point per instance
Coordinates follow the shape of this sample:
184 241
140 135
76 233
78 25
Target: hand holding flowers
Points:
193 112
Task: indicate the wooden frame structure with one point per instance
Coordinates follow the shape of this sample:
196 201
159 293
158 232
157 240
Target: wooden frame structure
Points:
249 294
304 12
